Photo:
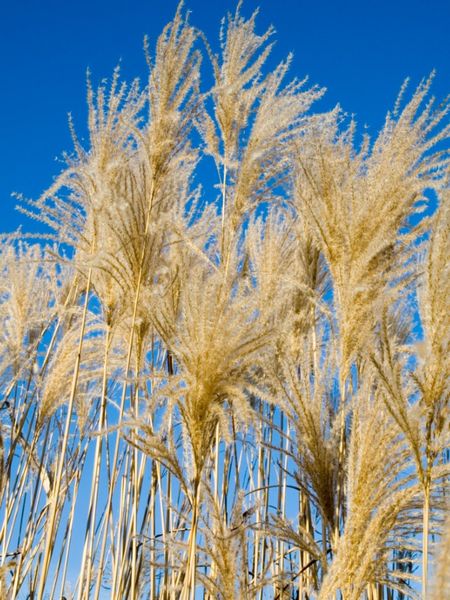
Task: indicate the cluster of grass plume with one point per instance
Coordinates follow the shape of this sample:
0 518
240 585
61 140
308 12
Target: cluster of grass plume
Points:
239 389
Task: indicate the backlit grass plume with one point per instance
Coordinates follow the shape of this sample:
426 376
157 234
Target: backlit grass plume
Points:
224 361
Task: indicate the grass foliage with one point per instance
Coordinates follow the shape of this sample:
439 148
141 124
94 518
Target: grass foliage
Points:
237 390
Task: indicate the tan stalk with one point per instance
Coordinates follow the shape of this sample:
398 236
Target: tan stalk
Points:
87 558
189 585
65 550
425 536
340 474
259 484
136 486
121 526
53 509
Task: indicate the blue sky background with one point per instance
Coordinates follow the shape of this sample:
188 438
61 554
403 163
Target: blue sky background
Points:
361 51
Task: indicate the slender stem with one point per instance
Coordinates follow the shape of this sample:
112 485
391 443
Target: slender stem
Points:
51 524
425 535
340 472
87 559
188 591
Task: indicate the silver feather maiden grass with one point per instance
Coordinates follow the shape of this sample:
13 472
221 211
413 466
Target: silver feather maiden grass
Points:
221 392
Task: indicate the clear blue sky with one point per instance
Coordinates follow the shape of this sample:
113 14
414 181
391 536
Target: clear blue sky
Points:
360 50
